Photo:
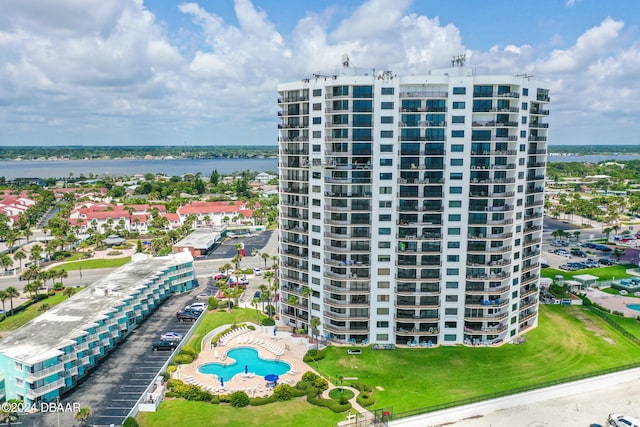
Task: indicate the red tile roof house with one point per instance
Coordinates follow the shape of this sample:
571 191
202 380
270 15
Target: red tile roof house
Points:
217 213
103 216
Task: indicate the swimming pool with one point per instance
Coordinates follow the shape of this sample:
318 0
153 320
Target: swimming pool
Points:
635 307
248 357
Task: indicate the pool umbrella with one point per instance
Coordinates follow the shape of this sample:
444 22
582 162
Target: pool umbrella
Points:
221 382
271 378
246 369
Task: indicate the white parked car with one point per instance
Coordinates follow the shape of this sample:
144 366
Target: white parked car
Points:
197 306
257 271
619 420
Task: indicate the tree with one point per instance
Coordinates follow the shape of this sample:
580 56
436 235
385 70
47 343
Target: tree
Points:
618 252
19 256
68 292
13 293
265 257
5 262
307 293
314 323
4 295
35 254
83 415
607 231
576 234
236 261
215 177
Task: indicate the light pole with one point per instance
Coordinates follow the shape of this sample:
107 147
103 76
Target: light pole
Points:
57 411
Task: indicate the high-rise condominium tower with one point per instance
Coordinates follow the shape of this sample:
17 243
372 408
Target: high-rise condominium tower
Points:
411 206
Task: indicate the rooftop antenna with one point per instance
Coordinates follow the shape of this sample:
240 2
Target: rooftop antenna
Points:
458 60
525 76
345 61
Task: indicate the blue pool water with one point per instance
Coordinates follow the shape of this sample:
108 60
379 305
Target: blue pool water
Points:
635 307
245 357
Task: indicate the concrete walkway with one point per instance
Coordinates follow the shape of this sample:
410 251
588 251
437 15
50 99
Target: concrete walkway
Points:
614 302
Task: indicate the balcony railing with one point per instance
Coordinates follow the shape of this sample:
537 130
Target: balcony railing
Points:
43 373
37 392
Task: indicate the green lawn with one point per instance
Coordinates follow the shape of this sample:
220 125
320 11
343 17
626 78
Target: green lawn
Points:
295 412
631 325
570 341
604 273
93 263
564 346
19 319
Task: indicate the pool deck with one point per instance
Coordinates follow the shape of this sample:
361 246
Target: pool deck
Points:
614 302
294 350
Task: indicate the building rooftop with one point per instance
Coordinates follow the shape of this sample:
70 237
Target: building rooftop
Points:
41 338
201 238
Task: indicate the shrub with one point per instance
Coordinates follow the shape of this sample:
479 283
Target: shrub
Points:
58 286
309 377
334 405
171 369
182 359
313 355
190 352
212 303
172 383
259 401
51 292
267 321
239 399
130 422
618 313
365 399
321 383
165 374
283 392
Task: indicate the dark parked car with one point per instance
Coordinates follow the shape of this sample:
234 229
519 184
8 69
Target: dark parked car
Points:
606 261
603 248
164 346
188 315
578 252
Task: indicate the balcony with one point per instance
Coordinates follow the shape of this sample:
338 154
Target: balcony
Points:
486 317
528 291
37 392
498 236
486 290
488 277
345 329
288 99
424 94
358 287
431 318
489 330
417 331
534 138
43 373
344 316
495 153
529 279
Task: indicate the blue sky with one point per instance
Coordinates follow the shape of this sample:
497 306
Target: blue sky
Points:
161 72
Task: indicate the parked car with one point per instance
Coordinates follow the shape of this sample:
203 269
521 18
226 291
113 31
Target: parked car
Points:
592 263
257 271
589 245
544 265
256 295
197 306
164 345
578 252
577 265
603 248
188 315
606 261
203 296
171 336
562 252
619 420
219 276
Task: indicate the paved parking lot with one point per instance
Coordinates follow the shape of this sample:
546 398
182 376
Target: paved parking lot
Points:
227 248
114 386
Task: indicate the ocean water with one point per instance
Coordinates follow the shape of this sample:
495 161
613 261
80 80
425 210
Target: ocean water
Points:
172 167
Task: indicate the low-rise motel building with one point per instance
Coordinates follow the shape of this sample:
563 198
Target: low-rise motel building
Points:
50 354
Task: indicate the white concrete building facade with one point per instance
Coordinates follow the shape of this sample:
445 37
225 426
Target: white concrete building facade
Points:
411 206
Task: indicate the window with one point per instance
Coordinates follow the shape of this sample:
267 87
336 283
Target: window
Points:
525 106
384 258
384 217
453 245
316 148
384 245
520 188
525 91
315 215
315 188
455 190
458 105
457 148
455 217
524 120
382 324
384 271
451 298
386 148
459 90
382 310
386 162
315 228
451 311
317 134
517 242
386 105
455 203
363 91
457 119
386 119
315 202
386 134
384 231
317 120
317 175
454 231
523 134
457 134
317 106
453 258
455 175
385 176
453 271
315 267
451 285
516 255
387 91
449 337
521 162
386 190
382 337
315 242
315 255
384 203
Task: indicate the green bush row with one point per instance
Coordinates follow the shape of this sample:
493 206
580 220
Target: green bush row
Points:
313 355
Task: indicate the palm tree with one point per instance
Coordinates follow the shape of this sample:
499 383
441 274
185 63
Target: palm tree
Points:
5 262
576 234
307 293
227 292
607 231
83 415
62 274
236 260
20 255
35 254
265 256
13 293
618 252
313 324
4 295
